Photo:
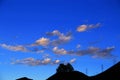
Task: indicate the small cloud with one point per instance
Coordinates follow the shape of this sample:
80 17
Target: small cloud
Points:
42 41
84 27
73 60
56 61
14 48
61 51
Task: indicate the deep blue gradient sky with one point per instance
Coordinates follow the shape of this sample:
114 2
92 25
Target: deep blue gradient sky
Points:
36 36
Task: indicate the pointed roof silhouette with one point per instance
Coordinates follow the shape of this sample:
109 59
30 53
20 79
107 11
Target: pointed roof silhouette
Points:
24 78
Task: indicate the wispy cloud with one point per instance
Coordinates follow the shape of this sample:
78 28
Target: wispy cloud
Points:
39 62
105 52
27 61
94 52
14 48
85 27
22 48
35 62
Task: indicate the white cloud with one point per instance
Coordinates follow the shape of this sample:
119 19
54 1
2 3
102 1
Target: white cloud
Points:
82 28
61 51
56 61
42 41
73 60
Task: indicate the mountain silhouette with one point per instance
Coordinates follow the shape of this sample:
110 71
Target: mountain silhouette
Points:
67 72
24 78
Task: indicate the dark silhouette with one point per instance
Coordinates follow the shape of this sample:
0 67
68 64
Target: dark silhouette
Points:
111 73
66 72
65 68
24 78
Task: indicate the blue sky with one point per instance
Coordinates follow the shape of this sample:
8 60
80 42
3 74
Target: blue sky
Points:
36 36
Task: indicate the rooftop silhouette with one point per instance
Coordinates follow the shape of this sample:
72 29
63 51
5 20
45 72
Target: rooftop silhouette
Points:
24 78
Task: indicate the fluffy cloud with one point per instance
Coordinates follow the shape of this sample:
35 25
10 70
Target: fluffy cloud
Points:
85 27
61 51
42 41
82 28
36 62
14 48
